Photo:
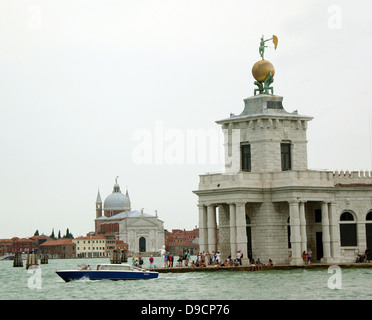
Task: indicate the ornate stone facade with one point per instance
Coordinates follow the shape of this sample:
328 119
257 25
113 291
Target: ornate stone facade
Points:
269 205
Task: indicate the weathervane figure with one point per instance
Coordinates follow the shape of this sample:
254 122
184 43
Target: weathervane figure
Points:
262 45
263 71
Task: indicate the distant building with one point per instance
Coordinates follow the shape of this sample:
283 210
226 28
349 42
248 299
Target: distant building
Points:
98 246
142 232
61 248
16 245
39 240
182 240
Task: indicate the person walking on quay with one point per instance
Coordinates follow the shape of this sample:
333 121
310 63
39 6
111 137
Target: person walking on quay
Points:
180 258
367 254
212 257
304 257
239 257
218 257
187 258
171 257
166 256
151 260
309 254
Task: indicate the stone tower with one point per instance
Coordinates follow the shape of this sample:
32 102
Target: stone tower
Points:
98 206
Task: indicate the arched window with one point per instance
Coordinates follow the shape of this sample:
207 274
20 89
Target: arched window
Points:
142 244
347 216
348 230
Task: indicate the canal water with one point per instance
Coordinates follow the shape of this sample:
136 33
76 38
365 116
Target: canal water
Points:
298 284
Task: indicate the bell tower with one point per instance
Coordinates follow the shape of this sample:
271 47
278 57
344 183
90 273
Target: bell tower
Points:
98 206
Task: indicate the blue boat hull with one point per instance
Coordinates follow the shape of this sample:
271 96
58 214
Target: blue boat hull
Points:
69 275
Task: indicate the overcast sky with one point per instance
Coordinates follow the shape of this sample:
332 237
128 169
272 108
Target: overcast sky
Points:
85 84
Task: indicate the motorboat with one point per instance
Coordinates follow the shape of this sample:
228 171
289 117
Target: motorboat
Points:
107 272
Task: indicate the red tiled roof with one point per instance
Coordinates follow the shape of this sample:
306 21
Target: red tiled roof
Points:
57 242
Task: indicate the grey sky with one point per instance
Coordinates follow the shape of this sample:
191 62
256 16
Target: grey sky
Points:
78 79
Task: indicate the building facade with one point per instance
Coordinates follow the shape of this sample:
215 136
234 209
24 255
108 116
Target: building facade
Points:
269 205
60 249
143 232
98 246
182 240
17 245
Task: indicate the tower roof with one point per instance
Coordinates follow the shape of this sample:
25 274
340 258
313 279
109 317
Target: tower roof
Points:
98 200
264 105
117 200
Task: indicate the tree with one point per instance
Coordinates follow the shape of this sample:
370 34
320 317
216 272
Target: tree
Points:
52 235
59 234
68 235
36 233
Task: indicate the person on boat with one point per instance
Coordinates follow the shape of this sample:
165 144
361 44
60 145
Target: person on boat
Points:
134 262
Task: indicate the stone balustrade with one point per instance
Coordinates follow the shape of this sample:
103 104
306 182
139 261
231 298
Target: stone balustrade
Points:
352 177
301 178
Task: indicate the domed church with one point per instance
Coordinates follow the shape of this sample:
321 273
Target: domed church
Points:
142 231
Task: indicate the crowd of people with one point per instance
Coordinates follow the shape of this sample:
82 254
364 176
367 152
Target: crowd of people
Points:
204 259
169 259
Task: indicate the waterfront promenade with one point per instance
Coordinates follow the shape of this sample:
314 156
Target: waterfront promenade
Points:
249 268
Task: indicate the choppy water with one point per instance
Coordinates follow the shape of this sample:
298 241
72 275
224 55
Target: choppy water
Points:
19 283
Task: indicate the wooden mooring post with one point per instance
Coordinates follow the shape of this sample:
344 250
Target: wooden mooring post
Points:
44 258
31 260
115 257
17 262
124 256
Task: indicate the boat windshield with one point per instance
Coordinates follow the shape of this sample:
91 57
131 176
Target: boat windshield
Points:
114 267
83 267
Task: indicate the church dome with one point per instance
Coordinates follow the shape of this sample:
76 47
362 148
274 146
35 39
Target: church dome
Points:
117 200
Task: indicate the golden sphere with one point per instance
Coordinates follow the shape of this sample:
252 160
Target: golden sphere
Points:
261 70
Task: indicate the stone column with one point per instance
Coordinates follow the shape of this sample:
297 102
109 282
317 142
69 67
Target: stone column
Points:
224 231
294 221
303 227
212 228
203 231
241 232
335 233
232 210
326 239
